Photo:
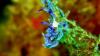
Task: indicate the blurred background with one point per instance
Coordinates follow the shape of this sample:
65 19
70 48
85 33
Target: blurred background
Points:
21 28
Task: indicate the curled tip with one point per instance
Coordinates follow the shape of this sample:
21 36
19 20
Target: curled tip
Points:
45 23
51 45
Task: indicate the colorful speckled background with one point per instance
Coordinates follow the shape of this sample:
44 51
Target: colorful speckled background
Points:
21 28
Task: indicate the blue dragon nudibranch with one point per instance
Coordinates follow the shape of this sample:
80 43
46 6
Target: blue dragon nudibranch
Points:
57 24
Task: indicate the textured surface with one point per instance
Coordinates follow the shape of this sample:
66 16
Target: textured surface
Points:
28 19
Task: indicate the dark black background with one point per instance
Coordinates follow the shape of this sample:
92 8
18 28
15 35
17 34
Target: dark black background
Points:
3 4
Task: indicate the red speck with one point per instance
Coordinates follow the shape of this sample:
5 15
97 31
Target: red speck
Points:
37 23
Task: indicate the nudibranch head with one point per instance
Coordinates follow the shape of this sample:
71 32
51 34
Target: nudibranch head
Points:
54 34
